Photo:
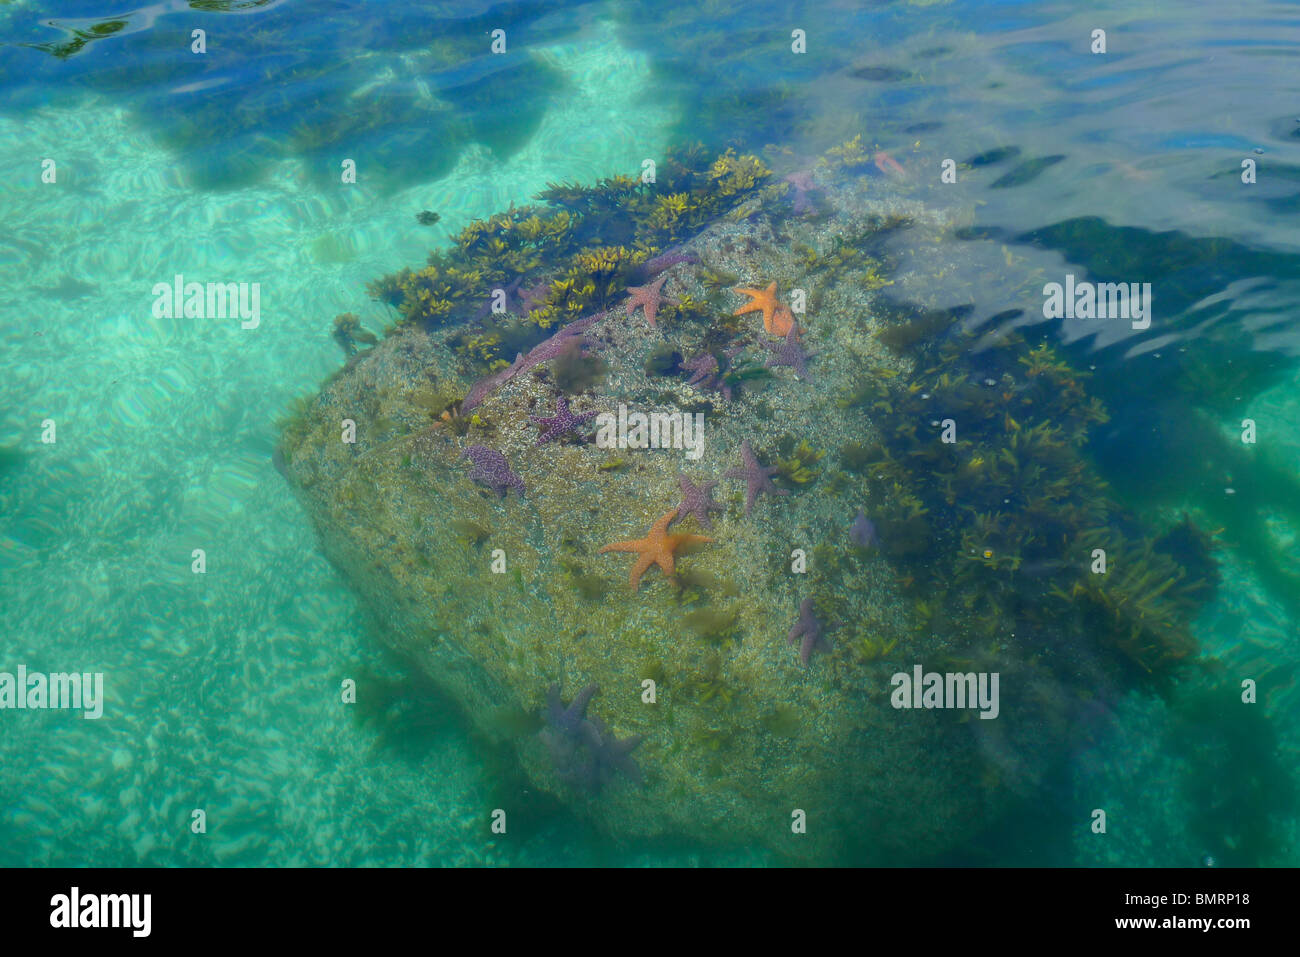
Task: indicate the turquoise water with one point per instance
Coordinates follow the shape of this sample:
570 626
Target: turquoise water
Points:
221 688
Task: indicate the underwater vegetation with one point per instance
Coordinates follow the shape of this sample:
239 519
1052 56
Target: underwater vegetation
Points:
1240 790
570 255
796 464
349 334
1008 519
1187 395
401 707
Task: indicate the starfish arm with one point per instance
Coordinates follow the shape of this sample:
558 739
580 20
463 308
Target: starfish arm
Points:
578 707
806 649
630 546
661 525
665 562
639 569
676 541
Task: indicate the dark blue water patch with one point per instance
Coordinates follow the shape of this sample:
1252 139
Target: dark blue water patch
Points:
880 74
1026 172
314 82
1241 790
1164 445
1286 128
999 154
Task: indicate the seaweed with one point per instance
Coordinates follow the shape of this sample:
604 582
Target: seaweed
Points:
589 240
348 333
713 625
663 360
794 464
574 372
469 532
1014 499
856 456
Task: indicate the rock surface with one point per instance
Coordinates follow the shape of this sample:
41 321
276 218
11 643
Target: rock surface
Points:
739 735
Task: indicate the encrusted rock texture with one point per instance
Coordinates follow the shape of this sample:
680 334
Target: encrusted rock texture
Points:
740 735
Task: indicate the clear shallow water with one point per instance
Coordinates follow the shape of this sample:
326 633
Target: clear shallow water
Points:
1125 165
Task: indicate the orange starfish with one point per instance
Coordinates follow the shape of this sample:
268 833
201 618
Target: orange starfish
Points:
782 320
655 549
759 299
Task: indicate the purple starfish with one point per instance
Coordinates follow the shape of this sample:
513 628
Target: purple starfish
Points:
697 501
704 374
801 184
703 368
613 754
585 753
756 476
568 719
807 631
649 298
534 297
492 469
542 352
653 267
863 531
790 353
548 349
563 421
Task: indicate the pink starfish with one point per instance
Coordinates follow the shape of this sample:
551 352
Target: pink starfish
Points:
647 297
887 164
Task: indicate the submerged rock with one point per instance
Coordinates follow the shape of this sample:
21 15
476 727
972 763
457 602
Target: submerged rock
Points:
507 622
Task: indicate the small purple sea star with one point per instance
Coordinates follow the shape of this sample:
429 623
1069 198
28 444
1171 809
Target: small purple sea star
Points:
563 421
801 185
492 469
705 375
756 476
790 353
863 531
649 298
697 501
807 631
703 367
